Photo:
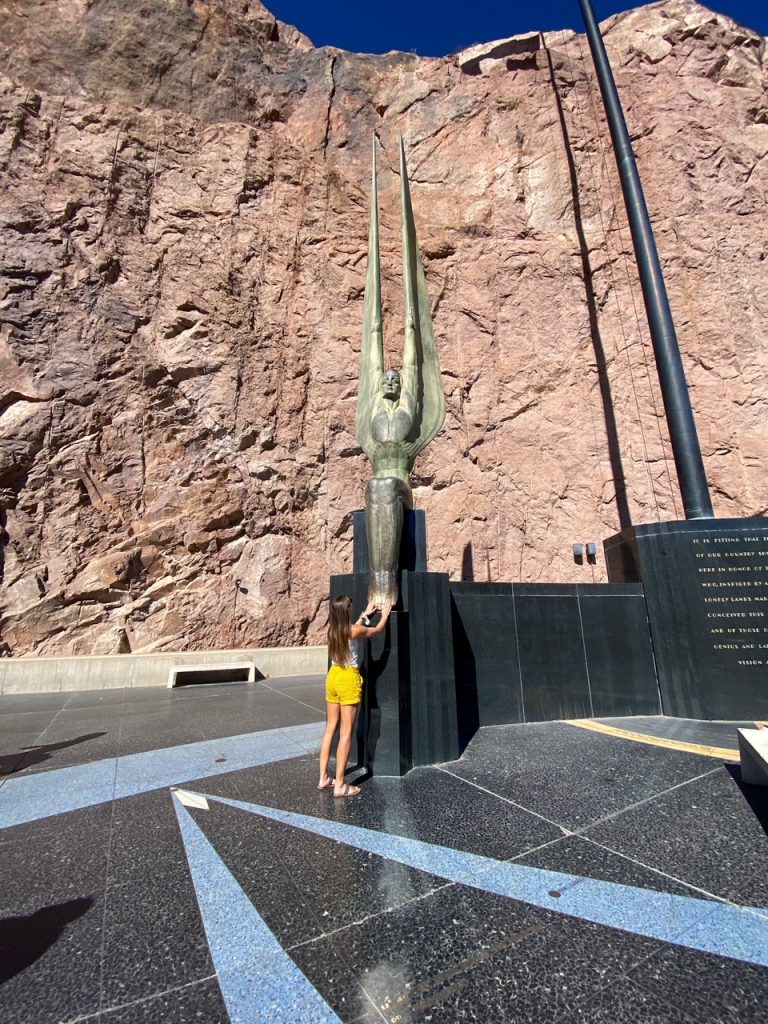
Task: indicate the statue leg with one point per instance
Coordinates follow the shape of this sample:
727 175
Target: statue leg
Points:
385 499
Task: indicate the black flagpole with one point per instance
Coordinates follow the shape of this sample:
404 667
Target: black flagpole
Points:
669 365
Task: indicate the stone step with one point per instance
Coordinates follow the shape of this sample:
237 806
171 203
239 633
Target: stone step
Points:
753 748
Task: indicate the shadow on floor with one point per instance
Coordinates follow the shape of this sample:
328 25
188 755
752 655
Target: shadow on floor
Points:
10 763
23 940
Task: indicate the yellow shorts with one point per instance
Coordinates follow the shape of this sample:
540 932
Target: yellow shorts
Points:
343 685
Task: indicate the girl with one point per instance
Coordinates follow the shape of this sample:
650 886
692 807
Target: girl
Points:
344 687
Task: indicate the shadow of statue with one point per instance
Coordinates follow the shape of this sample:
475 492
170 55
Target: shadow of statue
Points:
24 939
465 672
614 451
12 763
467 564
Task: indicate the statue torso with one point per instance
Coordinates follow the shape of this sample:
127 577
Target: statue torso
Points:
391 426
390 429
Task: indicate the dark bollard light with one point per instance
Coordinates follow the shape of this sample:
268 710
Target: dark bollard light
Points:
669 365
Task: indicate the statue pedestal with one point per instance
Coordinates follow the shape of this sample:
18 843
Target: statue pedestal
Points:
408 716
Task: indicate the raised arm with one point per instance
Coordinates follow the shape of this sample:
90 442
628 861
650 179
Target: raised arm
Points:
359 631
421 365
372 350
411 267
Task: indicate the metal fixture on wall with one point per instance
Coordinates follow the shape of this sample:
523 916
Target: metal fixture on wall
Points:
591 552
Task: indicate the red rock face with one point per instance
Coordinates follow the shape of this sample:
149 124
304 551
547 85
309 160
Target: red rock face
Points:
184 214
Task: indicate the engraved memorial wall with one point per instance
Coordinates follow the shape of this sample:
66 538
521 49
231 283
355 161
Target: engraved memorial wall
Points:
706 588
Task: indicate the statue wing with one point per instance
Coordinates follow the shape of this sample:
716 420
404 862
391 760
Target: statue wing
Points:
372 350
419 334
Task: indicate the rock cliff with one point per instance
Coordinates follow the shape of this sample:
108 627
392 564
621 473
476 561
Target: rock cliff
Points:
183 223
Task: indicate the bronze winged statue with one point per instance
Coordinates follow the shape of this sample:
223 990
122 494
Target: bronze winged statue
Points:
398 414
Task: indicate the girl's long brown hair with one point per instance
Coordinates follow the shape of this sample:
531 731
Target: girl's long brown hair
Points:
338 629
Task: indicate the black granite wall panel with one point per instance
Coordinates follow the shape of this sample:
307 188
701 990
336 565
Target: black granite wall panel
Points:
487 661
622 678
552 659
538 652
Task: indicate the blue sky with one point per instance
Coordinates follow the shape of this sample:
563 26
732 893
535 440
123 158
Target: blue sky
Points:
437 27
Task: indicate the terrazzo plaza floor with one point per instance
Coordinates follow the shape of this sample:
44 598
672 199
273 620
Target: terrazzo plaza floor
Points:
165 856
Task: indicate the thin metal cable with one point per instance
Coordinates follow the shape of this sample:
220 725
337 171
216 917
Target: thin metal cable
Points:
612 276
643 349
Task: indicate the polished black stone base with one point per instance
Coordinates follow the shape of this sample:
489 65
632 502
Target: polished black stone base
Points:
706 590
409 715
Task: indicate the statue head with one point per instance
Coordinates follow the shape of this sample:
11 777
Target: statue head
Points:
390 385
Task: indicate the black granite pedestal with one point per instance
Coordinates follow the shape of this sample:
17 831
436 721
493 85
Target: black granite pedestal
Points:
409 716
706 591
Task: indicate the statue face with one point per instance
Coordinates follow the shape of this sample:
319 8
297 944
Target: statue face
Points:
390 385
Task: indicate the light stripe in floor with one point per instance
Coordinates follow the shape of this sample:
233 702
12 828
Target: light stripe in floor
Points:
721 753
42 794
258 980
706 925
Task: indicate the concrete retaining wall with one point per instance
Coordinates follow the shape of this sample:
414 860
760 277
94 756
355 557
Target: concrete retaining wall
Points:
45 675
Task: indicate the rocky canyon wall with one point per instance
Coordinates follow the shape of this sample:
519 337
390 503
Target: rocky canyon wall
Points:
184 193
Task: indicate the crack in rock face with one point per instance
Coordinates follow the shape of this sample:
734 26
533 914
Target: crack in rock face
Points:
183 221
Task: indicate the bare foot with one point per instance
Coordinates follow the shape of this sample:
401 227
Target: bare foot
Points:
346 790
761 725
325 783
